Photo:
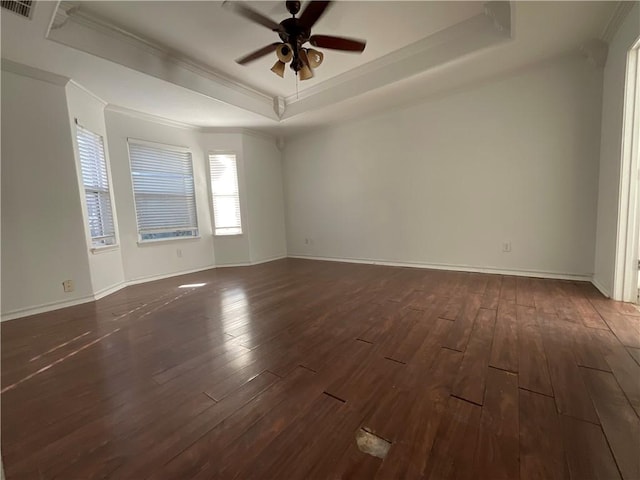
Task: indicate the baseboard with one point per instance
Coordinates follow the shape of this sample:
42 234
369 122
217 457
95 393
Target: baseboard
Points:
600 288
45 307
153 278
24 312
109 290
49 307
453 267
248 264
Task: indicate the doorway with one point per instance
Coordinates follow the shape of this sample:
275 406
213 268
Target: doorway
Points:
627 281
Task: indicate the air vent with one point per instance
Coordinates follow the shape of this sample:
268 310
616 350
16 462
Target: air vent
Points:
21 7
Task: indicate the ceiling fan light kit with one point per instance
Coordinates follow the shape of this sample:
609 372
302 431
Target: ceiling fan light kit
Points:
294 33
278 68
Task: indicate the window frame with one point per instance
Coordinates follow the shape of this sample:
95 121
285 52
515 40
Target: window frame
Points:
212 195
171 148
96 248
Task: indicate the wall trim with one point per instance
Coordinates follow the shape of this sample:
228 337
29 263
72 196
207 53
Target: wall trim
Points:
240 130
103 292
71 12
600 288
455 268
615 20
150 117
44 307
47 307
32 72
89 92
153 278
51 306
249 264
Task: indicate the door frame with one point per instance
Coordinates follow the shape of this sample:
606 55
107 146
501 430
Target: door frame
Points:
625 286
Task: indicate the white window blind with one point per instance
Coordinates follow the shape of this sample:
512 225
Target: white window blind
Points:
96 187
164 192
225 194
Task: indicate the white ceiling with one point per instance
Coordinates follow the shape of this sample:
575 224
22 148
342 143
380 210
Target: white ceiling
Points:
175 59
214 36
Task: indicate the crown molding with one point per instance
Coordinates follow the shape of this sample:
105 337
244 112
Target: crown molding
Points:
240 131
147 117
467 37
500 12
88 92
150 118
77 29
35 73
76 14
476 26
615 20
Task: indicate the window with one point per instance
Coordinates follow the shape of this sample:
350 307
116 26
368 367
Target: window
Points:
164 192
224 195
96 187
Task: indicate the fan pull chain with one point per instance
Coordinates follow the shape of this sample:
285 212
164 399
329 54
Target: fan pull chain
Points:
297 86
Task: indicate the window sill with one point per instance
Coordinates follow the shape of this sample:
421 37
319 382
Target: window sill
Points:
145 243
229 235
105 249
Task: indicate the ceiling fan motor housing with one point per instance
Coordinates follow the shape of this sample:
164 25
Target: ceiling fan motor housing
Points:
293 32
293 7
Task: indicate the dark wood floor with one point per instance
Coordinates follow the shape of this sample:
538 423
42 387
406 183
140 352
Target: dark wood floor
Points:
270 371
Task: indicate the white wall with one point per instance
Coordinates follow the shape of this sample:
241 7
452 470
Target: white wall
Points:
233 249
263 180
105 263
610 151
447 181
43 238
261 199
156 259
45 235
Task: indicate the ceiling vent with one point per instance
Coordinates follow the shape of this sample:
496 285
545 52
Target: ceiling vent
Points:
21 7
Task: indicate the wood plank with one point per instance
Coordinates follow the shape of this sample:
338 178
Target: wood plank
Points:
635 353
533 373
98 412
461 330
590 346
492 292
508 289
627 373
569 390
504 351
626 328
470 381
588 454
412 444
619 422
541 449
453 450
498 452
524 292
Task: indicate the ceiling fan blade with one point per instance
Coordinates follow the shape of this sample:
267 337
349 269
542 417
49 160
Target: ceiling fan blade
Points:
338 43
313 12
249 13
258 53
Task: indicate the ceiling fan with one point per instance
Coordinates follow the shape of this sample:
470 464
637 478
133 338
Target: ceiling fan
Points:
294 32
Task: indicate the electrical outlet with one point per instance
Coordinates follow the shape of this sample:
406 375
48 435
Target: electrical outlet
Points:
67 286
179 252
506 247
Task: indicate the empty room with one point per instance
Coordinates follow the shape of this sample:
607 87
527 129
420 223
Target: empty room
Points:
320 240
